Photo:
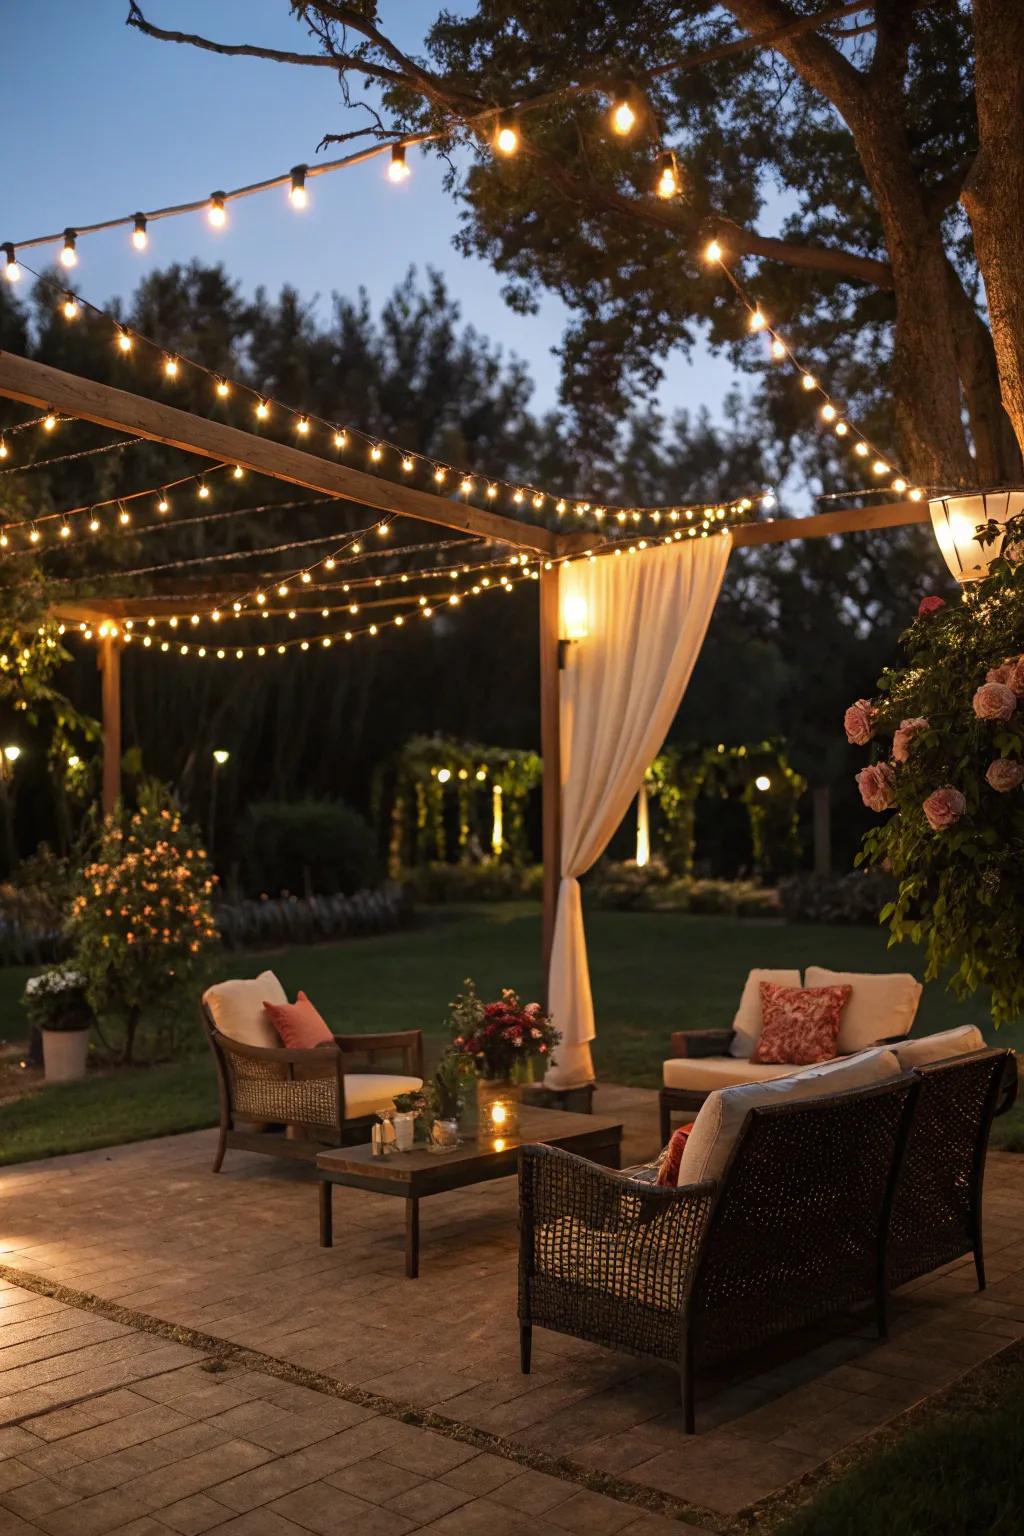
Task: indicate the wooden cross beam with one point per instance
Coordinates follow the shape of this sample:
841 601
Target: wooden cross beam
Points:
39 385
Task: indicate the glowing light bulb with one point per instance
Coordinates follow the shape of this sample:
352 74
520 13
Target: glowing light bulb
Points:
297 194
262 410
828 411
623 118
506 138
49 421
861 449
899 485
879 467
302 426
407 465
398 170
217 213
340 439
70 307
69 252
841 429
668 184
757 321
34 536
171 367
376 453
203 491
140 236
94 525
809 382
223 388
163 505
124 517
440 475
916 494
492 491
124 341
12 271
778 349
65 531
712 251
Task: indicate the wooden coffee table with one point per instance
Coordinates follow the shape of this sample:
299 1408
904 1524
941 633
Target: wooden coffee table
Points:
412 1176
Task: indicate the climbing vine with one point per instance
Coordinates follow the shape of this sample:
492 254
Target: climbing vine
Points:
758 774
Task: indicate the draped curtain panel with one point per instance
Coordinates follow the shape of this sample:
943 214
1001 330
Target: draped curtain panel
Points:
646 617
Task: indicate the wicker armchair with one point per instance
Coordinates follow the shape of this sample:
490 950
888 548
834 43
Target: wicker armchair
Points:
302 1093
795 1230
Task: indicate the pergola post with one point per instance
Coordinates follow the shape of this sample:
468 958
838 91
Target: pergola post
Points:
109 662
551 752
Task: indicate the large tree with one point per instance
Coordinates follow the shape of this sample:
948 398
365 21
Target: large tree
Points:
857 128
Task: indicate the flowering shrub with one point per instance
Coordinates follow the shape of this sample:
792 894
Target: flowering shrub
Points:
948 744
141 922
504 1038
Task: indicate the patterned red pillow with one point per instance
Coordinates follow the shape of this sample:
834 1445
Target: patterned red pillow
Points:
668 1171
799 1025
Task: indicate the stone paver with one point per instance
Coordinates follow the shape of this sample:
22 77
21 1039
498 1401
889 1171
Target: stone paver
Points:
106 1426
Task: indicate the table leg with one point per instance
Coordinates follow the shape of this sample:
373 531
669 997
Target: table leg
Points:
326 1214
412 1238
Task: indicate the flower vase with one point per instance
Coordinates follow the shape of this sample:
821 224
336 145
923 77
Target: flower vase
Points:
497 1102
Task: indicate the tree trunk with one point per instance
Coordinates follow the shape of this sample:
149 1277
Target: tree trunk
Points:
997 458
925 363
994 192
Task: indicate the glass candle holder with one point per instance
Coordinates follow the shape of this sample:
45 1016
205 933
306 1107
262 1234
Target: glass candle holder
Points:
497 1107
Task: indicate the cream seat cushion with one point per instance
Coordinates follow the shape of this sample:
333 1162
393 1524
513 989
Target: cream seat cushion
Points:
747 1023
723 1112
368 1092
236 1008
948 1042
702 1074
881 1004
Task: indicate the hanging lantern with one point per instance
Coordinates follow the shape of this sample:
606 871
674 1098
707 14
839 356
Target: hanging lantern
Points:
957 521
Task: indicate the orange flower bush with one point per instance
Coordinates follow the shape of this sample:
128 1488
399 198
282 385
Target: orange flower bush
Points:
141 921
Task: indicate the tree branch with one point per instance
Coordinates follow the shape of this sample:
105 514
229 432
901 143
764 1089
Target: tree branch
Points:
821 65
817 258
135 18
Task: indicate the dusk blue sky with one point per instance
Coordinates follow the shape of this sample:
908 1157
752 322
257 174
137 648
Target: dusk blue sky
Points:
101 120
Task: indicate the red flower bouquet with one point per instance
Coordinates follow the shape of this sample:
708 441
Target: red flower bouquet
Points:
503 1039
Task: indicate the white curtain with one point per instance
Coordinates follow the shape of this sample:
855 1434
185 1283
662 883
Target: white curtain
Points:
646 617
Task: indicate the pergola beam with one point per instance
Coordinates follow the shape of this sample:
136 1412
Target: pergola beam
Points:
39 385
891 514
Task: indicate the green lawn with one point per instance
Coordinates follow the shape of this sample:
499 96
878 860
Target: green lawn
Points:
651 973
960 1473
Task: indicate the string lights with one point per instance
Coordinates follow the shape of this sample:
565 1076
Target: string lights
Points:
829 410
489 490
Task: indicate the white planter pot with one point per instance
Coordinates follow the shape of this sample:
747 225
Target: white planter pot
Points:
64 1053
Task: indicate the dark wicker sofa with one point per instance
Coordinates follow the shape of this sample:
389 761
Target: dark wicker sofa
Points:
824 1205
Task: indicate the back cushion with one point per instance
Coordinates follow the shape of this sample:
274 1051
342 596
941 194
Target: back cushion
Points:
881 1005
747 1022
723 1112
948 1042
237 1009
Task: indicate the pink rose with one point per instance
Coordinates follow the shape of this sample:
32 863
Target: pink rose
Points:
877 785
930 605
908 729
859 722
1001 674
1016 678
1014 552
1005 774
943 808
994 701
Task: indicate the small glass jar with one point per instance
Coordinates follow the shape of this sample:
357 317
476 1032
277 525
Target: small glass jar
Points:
497 1107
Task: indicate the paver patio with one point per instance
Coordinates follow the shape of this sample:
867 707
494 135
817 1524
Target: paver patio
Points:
115 1424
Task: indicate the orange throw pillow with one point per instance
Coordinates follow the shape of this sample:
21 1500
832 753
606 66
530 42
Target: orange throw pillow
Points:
668 1172
799 1025
299 1025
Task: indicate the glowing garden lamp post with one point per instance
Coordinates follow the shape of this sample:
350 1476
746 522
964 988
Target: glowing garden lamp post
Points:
8 758
956 522
220 759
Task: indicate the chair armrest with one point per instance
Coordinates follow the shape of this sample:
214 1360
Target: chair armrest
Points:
702 1042
1008 1085
409 1042
316 1057
585 1228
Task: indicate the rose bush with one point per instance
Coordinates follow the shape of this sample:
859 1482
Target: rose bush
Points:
947 743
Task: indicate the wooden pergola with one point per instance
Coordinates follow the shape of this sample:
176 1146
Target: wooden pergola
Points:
36 384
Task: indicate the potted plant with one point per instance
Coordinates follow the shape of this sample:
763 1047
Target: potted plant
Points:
444 1098
56 1004
408 1108
505 1040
